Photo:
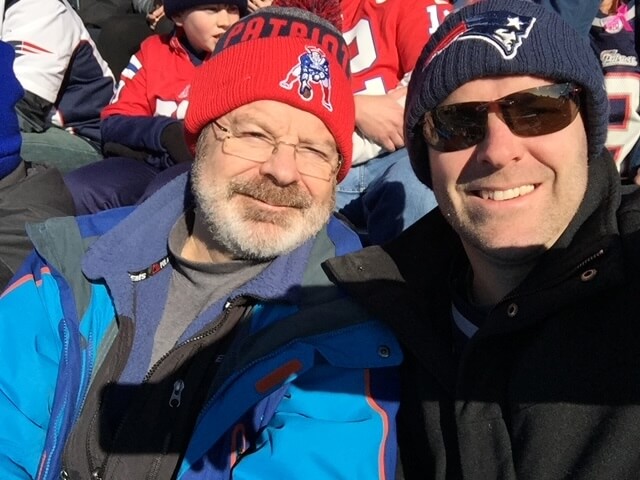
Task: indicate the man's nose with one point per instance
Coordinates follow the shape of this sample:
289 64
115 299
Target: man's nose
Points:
281 165
500 145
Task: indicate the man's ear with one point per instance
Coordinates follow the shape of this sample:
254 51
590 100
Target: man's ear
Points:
178 19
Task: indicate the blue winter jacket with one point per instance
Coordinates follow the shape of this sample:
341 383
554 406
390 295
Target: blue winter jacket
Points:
308 391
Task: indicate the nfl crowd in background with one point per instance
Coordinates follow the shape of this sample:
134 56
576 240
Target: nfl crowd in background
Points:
66 82
381 195
118 27
614 33
142 128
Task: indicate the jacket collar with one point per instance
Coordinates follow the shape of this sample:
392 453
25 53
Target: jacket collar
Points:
141 240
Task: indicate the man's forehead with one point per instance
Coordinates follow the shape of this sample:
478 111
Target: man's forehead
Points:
258 111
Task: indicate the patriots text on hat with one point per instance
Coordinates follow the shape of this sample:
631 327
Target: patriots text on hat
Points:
271 26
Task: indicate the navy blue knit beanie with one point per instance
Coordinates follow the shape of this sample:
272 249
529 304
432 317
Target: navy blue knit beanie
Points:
502 37
174 7
10 92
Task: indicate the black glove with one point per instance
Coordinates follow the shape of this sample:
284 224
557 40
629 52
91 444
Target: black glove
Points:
33 113
172 140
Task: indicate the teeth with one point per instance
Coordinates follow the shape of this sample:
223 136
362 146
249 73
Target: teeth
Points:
499 195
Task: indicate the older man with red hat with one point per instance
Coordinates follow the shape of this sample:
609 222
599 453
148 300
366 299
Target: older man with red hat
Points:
198 337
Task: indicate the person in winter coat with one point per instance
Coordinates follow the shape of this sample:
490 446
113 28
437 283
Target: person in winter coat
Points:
197 336
615 34
514 300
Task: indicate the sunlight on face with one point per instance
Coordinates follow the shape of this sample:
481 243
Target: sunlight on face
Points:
204 25
510 197
262 210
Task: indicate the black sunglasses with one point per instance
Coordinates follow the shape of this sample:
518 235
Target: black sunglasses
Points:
528 113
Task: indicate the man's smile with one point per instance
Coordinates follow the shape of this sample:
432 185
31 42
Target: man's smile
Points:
508 194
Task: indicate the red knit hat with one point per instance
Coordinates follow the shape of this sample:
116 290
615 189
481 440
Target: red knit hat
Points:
284 54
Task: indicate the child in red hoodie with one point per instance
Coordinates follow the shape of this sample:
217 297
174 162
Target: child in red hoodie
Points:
142 126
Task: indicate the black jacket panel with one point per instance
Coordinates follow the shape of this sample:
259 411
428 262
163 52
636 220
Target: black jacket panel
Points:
549 387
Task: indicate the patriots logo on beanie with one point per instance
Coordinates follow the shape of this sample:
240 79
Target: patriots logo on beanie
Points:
501 29
312 68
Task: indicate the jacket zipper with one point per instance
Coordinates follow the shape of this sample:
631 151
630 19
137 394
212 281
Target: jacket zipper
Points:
100 472
174 402
95 471
79 400
51 421
588 260
176 394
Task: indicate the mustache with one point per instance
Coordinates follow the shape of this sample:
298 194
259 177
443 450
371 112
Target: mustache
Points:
266 191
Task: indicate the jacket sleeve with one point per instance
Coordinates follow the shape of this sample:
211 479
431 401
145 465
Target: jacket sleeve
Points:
57 62
363 148
131 96
44 44
138 133
30 345
33 113
144 6
130 119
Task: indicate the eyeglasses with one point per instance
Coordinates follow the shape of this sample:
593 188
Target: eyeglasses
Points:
315 161
528 113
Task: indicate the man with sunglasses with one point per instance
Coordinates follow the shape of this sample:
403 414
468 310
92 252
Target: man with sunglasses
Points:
515 300
197 336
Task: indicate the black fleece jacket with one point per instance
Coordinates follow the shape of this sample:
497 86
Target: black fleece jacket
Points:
549 387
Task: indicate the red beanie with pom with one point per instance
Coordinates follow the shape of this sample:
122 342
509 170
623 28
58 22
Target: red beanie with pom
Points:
282 53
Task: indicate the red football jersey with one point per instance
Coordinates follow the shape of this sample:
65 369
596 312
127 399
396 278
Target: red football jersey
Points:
155 82
385 38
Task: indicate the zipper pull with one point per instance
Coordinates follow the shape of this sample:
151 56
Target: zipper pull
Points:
176 394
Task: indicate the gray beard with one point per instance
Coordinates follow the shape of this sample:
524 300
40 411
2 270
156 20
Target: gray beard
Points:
254 233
